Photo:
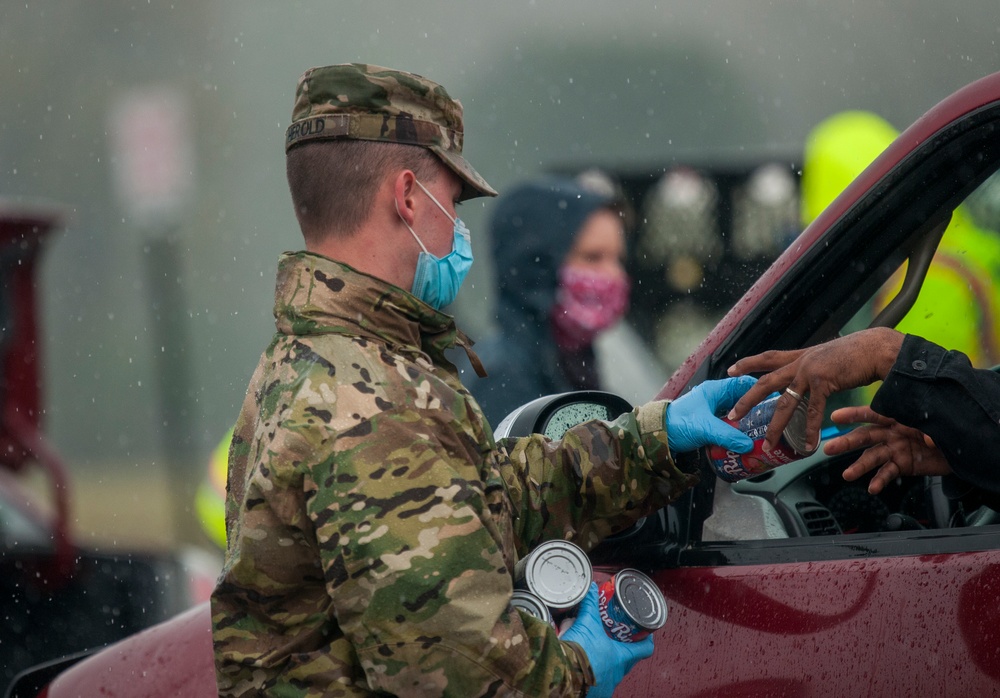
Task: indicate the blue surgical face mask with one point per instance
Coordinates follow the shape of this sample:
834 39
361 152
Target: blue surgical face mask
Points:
437 279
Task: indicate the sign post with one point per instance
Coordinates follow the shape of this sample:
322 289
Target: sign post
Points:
153 158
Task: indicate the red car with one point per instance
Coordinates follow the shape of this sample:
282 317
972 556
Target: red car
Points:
793 583
57 596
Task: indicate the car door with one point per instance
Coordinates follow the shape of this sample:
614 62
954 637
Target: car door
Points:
789 584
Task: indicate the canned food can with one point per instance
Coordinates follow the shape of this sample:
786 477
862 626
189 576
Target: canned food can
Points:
531 604
732 467
557 571
631 606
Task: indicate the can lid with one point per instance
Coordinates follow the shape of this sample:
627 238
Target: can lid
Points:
559 573
641 599
795 431
530 604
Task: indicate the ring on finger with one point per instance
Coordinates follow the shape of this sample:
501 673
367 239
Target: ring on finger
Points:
791 393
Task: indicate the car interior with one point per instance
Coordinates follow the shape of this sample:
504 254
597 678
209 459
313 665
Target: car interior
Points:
810 497
867 272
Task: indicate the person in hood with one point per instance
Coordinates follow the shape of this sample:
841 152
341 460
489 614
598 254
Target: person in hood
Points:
558 250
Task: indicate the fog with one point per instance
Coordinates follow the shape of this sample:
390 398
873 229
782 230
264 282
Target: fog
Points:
183 284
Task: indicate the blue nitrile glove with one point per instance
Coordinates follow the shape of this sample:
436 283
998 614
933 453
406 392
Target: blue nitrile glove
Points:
692 420
609 659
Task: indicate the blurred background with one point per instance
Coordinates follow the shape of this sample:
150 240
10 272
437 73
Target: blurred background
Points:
157 129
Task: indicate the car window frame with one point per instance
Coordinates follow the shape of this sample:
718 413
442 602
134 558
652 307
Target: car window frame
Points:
871 221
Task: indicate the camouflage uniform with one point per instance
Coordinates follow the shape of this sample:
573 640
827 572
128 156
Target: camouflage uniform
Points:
373 522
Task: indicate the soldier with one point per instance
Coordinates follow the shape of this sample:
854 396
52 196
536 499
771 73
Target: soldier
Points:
372 522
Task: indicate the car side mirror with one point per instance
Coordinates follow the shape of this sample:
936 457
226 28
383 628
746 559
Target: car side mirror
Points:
553 415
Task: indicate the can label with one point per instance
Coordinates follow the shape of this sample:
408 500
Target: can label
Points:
732 467
631 606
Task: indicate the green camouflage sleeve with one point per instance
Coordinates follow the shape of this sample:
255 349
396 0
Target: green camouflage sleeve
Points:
416 556
598 479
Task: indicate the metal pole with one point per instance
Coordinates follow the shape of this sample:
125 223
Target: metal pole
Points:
177 396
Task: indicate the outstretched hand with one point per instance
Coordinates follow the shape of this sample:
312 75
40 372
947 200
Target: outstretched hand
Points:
841 364
890 447
693 418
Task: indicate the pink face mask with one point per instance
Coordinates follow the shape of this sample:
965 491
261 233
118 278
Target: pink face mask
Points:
587 303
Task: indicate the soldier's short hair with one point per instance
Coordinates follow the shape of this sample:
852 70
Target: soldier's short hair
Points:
332 182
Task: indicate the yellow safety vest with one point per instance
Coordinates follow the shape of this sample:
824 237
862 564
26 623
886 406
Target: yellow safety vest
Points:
957 306
210 499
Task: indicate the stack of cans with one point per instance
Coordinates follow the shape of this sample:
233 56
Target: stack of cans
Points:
556 572
554 578
532 605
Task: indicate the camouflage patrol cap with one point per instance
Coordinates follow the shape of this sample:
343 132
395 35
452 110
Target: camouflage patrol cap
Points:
368 102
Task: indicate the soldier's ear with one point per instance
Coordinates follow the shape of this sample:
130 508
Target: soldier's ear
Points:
404 195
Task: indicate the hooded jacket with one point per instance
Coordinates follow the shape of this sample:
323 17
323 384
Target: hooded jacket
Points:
532 229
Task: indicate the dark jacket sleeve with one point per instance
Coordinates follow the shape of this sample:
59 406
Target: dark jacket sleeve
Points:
940 393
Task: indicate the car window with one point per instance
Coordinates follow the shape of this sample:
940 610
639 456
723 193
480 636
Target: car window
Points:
958 307
18 531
